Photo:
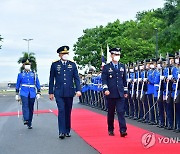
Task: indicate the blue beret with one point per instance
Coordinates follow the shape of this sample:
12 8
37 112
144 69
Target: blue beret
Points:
115 51
63 49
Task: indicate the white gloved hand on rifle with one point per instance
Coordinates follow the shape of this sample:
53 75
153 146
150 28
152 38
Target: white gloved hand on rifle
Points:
145 79
139 79
178 75
161 77
17 98
169 77
38 96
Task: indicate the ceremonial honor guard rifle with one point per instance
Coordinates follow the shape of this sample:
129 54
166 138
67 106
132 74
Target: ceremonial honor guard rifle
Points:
35 75
160 82
169 73
142 88
138 76
177 84
132 94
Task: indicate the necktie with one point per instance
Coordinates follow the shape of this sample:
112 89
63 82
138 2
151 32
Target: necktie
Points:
116 67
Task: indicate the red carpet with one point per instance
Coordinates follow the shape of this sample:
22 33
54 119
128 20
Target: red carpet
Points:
20 113
92 128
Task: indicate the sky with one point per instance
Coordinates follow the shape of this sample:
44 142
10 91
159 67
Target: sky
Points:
54 23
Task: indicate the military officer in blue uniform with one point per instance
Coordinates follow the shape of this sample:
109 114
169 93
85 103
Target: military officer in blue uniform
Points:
150 92
176 93
115 88
27 82
65 74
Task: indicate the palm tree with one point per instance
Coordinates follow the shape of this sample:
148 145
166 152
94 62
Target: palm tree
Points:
0 40
31 57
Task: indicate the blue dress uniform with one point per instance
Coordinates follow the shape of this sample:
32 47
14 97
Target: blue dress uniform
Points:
144 96
114 80
175 73
64 75
131 95
169 102
150 91
27 82
158 105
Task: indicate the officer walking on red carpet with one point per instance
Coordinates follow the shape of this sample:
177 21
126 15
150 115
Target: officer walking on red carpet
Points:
115 88
27 82
65 75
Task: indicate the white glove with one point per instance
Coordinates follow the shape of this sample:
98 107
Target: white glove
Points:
178 75
17 98
38 96
145 79
169 77
161 77
128 80
135 80
139 79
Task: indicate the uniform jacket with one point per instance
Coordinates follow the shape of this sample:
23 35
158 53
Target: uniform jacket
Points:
63 78
150 85
114 80
26 84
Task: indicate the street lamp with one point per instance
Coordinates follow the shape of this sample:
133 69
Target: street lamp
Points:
28 43
156 42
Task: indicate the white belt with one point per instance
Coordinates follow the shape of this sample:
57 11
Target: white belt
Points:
157 85
26 85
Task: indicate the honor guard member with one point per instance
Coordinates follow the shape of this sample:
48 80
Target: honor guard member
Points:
131 91
145 91
115 89
168 92
176 93
27 82
65 74
150 92
158 92
140 83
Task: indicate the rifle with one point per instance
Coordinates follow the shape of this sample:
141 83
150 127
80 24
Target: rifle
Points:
138 76
132 94
160 82
177 84
35 75
169 73
143 84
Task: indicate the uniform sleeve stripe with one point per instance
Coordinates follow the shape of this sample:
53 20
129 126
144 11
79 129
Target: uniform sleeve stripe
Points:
125 88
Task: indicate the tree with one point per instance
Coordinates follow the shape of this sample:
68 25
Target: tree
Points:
31 58
136 38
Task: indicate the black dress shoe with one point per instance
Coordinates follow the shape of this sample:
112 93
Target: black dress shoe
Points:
160 126
169 128
123 134
68 135
177 130
61 136
25 122
29 127
111 133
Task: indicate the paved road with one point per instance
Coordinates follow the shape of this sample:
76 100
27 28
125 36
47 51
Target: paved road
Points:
15 138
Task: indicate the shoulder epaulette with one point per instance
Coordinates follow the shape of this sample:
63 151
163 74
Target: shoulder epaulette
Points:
55 61
72 61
